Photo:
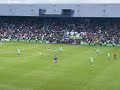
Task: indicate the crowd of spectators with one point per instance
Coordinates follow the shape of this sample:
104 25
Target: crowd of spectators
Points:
61 30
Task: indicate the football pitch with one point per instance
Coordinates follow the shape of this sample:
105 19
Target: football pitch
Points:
34 68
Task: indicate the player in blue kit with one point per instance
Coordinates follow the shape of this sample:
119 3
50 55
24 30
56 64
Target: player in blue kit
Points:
55 59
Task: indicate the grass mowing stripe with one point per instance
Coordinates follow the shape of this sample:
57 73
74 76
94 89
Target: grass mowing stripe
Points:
73 70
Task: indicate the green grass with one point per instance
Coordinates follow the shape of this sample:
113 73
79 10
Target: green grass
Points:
34 69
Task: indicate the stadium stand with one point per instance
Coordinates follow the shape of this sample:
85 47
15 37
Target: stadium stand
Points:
61 30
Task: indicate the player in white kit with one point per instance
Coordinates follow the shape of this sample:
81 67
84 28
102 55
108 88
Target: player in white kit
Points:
91 61
48 49
97 51
18 51
60 49
108 55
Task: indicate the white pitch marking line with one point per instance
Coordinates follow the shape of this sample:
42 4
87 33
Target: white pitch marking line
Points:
39 53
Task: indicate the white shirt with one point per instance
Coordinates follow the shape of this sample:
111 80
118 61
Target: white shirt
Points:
18 50
97 50
60 48
91 59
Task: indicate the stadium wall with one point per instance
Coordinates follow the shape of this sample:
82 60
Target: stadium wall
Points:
80 10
